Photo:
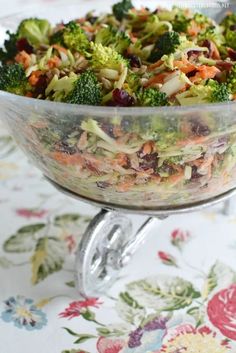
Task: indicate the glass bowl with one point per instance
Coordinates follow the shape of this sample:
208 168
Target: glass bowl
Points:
140 159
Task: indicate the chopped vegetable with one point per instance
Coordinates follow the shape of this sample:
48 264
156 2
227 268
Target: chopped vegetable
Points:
13 79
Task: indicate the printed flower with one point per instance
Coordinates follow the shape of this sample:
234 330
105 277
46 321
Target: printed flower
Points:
188 339
222 311
179 237
78 308
147 338
167 259
70 243
108 345
24 313
31 213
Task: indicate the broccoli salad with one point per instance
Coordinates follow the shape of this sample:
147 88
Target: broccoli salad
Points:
130 58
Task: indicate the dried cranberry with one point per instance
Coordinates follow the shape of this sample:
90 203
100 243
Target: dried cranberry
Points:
225 65
199 129
149 161
195 174
208 44
134 60
23 44
121 98
232 54
233 27
41 85
108 129
103 184
194 54
192 73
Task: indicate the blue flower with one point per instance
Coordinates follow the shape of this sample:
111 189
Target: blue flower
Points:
23 313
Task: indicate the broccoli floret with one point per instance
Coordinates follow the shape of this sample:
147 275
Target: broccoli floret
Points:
166 44
121 9
231 81
214 34
35 30
230 38
86 90
71 36
151 97
181 23
13 79
228 21
133 82
210 92
108 36
229 26
106 58
10 49
75 38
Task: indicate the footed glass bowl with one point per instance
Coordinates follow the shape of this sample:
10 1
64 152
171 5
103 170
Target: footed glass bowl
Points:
141 159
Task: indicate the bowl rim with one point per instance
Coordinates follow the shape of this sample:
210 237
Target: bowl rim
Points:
104 110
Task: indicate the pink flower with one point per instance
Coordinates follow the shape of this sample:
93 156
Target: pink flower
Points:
167 259
30 213
222 311
107 345
78 307
179 237
71 243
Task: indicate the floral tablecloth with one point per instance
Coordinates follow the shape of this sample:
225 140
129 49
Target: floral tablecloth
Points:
178 295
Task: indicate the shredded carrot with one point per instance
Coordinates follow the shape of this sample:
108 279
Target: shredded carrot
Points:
234 97
155 65
215 52
207 162
121 159
66 159
60 48
148 147
125 185
157 79
89 29
204 72
23 58
34 77
185 66
194 29
174 179
54 62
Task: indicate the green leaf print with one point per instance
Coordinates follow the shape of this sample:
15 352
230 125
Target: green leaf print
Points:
129 309
48 258
83 338
114 330
220 275
70 218
199 314
25 239
163 293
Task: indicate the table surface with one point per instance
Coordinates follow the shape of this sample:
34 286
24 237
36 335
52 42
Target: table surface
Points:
178 294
